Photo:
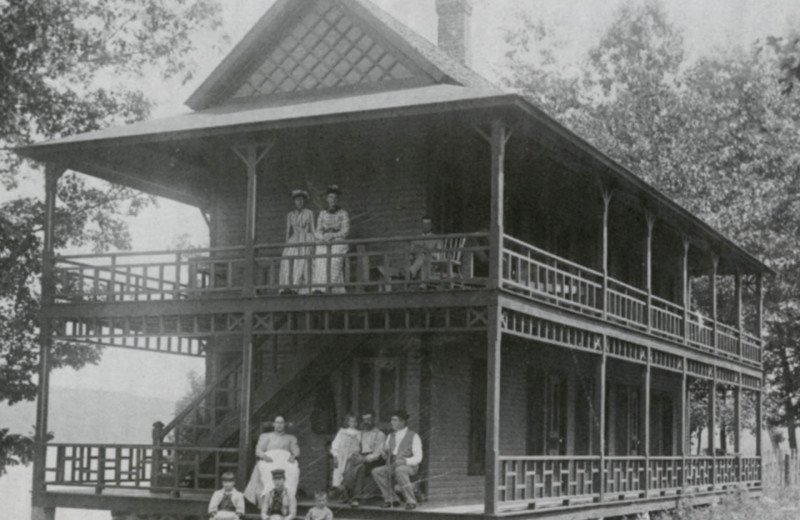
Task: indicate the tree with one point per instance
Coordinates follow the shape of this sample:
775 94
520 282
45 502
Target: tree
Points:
71 66
718 135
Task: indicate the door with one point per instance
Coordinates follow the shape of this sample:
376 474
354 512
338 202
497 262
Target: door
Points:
547 413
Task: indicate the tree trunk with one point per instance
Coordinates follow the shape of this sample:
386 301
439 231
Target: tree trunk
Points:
790 413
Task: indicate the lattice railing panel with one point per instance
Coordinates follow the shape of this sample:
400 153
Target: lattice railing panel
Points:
625 475
550 332
531 479
666 473
699 472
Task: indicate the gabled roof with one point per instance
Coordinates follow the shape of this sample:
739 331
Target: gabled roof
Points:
328 46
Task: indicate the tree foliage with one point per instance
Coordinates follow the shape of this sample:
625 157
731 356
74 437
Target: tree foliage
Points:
71 66
717 134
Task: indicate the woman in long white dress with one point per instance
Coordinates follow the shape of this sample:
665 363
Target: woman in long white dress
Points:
275 450
295 273
333 224
346 443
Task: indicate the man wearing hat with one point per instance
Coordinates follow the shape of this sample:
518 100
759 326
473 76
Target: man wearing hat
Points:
403 455
279 503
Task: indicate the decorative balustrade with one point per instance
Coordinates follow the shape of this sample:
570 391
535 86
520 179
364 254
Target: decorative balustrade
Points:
137 466
526 481
457 261
541 276
442 262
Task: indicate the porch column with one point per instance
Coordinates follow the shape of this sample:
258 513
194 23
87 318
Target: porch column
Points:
685 444
601 382
52 173
648 267
760 391
498 139
737 425
685 288
739 317
712 278
760 314
712 419
251 155
646 394
607 195
244 413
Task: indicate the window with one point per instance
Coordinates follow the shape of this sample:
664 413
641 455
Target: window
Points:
476 464
376 386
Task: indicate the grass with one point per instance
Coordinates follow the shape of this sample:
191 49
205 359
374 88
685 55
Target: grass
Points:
775 504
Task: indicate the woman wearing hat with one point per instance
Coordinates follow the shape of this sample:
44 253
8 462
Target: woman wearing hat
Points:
295 265
333 224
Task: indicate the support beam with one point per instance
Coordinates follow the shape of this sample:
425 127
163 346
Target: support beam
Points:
251 155
52 173
607 195
760 310
737 426
494 362
685 288
244 411
648 267
759 433
685 444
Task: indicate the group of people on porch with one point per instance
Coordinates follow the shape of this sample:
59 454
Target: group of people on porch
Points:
314 257
359 452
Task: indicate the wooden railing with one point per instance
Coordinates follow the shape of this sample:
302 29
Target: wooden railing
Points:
527 481
218 403
172 468
453 262
542 276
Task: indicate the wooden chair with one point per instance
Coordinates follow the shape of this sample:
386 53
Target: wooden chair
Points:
446 263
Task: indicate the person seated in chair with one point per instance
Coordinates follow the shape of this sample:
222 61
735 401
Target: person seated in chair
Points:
423 251
403 454
361 464
275 450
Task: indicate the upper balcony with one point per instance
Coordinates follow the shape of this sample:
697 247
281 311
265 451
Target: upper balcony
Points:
452 263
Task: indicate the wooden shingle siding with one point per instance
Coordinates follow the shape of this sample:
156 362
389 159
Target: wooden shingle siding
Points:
382 178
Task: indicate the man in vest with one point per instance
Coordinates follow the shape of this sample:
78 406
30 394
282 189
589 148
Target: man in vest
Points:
279 504
403 455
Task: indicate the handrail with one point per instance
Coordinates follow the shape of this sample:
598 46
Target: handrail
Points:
199 400
161 252
552 256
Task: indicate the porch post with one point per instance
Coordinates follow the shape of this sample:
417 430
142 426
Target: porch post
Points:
739 318
712 420
712 278
685 444
651 221
498 139
737 425
244 412
601 379
52 173
759 433
685 288
760 314
646 393
607 195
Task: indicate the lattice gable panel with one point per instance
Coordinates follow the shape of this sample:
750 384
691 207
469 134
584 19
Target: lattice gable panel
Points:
327 49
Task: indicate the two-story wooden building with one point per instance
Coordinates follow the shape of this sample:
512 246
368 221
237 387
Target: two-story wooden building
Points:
551 364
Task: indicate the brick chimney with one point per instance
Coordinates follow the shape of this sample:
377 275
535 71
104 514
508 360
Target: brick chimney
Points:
454 28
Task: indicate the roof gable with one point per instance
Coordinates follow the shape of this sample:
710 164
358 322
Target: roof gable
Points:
327 47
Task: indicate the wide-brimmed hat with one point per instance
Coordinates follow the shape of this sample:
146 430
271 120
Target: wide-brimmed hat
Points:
300 193
333 188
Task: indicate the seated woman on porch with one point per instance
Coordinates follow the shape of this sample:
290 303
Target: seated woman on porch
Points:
332 224
276 450
346 443
295 270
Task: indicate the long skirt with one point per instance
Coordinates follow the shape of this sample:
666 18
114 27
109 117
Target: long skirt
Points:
329 258
261 480
295 270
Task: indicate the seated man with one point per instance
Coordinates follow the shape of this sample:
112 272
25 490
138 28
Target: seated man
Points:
403 453
360 465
